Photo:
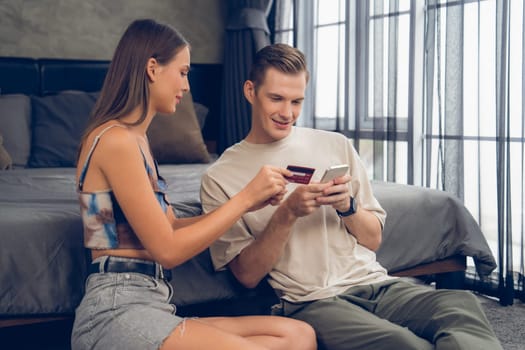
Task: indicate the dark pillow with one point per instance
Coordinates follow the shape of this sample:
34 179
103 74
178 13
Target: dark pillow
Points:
177 138
58 123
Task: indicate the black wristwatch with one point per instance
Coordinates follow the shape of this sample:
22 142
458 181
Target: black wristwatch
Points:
350 211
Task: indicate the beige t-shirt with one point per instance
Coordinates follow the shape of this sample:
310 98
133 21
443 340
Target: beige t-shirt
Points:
321 259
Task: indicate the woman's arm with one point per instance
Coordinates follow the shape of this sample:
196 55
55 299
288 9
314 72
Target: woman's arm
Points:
122 165
177 222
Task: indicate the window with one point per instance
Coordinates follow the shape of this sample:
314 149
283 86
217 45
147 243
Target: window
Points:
359 59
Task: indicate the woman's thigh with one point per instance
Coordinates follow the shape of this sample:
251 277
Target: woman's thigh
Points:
243 332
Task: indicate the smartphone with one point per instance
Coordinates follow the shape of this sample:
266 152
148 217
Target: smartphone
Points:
333 172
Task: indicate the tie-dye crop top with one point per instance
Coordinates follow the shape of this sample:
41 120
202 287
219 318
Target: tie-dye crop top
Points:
105 226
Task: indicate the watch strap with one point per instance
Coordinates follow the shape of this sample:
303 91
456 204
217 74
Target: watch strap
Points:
350 211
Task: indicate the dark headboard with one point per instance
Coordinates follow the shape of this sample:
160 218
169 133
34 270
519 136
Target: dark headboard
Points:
45 76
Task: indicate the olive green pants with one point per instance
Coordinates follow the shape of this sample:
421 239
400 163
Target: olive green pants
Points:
397 315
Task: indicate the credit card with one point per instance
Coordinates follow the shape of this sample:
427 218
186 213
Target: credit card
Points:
301 174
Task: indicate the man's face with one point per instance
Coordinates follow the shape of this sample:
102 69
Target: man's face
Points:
276 105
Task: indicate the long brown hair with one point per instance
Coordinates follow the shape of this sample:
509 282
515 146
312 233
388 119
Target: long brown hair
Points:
126 84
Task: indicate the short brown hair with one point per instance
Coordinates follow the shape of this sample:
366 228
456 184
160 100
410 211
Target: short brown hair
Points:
283 57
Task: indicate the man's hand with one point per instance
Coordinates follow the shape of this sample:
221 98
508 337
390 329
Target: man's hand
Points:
303 200
336 194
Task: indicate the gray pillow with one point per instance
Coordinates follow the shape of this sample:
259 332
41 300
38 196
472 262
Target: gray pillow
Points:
58 123
5 158
202 112
177 138
15 126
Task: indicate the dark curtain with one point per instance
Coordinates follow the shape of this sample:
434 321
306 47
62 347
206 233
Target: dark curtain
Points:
246 32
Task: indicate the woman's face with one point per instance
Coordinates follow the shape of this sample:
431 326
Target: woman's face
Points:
170 82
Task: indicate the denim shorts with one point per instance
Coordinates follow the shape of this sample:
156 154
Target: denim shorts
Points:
124 311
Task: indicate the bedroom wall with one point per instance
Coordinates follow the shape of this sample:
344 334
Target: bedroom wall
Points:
90 29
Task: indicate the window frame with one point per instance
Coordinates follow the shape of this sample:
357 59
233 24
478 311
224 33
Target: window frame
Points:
356 122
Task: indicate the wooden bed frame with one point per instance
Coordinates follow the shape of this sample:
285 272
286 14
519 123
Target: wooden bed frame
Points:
446 274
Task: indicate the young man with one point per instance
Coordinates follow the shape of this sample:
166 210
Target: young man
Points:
317 247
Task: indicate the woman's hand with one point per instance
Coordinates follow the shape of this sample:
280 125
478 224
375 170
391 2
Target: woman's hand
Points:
267 187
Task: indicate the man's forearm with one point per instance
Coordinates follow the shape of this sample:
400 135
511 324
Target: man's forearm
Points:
255 261
365 227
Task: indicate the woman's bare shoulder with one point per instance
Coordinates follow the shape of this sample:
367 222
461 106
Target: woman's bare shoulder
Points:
109 141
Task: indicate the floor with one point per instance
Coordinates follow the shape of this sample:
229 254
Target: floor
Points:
49 336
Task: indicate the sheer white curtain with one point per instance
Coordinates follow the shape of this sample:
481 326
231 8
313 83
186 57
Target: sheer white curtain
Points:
474 123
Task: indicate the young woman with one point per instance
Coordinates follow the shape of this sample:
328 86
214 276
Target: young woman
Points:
130 227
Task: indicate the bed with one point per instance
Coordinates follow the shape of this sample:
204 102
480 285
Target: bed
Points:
43 262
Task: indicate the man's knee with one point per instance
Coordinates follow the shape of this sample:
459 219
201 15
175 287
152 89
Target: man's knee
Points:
465 325
456 297
461 306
